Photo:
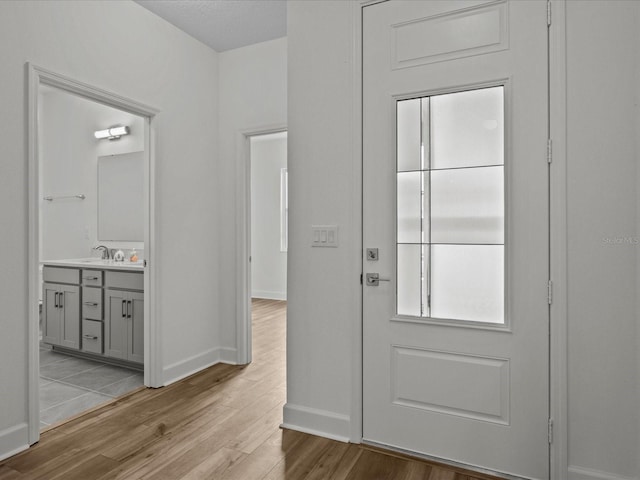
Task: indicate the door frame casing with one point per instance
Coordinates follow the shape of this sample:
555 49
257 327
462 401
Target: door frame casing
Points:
37 76
558 373
558 247
243 236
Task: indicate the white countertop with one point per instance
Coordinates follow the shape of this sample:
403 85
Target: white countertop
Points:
93 263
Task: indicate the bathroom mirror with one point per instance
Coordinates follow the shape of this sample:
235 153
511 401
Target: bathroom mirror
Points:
120 197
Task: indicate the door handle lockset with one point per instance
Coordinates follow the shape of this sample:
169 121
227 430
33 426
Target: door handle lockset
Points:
373 279
372 254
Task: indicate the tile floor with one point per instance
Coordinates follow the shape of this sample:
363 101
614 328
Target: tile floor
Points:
70 385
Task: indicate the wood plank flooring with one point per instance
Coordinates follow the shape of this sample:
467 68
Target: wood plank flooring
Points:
222 423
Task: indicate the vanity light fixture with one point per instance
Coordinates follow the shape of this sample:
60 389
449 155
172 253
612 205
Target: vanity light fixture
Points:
112 133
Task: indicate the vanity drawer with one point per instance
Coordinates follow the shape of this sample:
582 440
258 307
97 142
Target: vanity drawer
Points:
124 280
92 336
92 303
61 275
92 278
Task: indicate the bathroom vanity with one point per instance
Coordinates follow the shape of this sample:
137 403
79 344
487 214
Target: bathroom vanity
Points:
96 308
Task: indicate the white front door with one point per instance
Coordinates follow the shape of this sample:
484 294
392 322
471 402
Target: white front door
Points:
455 195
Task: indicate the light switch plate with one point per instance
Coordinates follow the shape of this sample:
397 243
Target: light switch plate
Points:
324 235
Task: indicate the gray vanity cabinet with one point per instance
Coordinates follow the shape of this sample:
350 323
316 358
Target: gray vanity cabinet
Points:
61 312
124 316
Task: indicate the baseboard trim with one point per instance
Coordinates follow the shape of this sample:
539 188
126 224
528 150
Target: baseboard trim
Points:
184 368
269 295
229 355
316 422
13 440
579 473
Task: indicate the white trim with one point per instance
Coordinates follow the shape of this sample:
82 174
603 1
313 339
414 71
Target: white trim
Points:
13 440
317 422
269 295
579 473
558 242
196 363
243 238
33 263
356 430
152 342
228 355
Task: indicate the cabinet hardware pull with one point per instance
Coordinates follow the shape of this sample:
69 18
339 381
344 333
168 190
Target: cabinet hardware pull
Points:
129 309
55 300
90 278
61 299
91 304
124 309
90 337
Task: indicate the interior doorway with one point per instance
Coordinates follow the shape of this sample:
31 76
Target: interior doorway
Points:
262 227
90 194
269 216
55 224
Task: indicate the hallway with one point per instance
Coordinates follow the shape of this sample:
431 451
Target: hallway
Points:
222 423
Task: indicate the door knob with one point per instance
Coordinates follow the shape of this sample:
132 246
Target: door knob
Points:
373 279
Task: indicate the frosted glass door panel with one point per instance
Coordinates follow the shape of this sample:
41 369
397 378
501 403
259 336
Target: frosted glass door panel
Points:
411 207
467 205
467 282
409 137
410 278
450 206
467 128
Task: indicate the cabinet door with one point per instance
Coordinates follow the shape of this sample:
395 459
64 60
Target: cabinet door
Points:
69 306
51 328
115 327
135 344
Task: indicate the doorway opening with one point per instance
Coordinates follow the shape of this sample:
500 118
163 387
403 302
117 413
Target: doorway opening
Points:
91 207
269 215
263 203
90 277
269 200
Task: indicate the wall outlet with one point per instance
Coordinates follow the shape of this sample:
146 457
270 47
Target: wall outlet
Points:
324 235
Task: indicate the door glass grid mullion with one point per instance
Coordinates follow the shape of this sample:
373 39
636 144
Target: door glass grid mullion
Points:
425 129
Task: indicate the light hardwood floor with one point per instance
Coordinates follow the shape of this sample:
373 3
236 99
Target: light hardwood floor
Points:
222 423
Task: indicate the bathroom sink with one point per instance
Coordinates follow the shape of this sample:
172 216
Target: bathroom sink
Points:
96 263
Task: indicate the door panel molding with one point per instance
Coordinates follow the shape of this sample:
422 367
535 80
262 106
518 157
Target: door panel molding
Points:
431 39
489 375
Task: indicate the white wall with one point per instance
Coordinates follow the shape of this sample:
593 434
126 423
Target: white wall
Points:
253 96
603 51
69 165
324 283
268 261
121 47
603 85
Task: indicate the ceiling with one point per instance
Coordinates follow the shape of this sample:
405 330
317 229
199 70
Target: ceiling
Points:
224 24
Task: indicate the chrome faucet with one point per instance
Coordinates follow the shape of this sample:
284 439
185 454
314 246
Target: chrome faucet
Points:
105 251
